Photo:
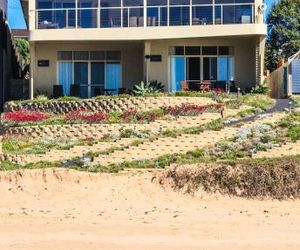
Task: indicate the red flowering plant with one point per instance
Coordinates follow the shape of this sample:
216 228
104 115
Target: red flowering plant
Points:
83 115
23 116
218 91
132 115
187 109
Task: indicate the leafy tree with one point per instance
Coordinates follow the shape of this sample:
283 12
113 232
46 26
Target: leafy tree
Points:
283 32
22 46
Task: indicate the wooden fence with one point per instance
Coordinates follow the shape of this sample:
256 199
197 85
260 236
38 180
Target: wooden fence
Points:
277 82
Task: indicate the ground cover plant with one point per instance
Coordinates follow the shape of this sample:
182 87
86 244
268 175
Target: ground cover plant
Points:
27 118
26 145
291 126
247 142
24 116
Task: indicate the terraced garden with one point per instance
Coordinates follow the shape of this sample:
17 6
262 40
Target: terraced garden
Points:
159 129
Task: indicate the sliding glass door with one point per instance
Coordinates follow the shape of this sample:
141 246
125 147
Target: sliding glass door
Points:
81 78
97 78
210 68
193 69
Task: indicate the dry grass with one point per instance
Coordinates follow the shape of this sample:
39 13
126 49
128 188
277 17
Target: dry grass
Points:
277 178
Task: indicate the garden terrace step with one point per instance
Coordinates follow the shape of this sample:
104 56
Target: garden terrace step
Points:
97 131
73 130
76 151
181 144
107 104
288 149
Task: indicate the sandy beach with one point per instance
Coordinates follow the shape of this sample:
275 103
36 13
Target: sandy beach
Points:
61 209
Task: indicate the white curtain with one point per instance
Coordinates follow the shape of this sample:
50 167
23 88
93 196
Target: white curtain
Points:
65 75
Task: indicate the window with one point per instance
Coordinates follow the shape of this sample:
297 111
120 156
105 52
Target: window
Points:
210 50
91 71
222 50
110 3
237 14
113 55
55 4
179 16
202 15
133 17
233 1
193 50
202 1
97 55
179 50
110 18
198 50
87 3
133 3
157 16
210 68
81 55
157 2
64 55
179 2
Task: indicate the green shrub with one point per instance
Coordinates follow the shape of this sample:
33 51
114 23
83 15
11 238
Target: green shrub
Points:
260 89
148 88
215 125
258 101
68 98
294 133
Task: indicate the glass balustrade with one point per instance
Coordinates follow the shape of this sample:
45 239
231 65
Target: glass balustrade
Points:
68 14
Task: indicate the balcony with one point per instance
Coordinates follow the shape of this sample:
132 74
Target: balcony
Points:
88 14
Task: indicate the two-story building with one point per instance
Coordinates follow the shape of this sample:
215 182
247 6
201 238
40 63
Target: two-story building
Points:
9 60
117 43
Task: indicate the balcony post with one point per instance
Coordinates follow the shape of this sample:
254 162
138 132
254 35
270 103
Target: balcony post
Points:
67 18
222 21
145 13
122 14
214 12
168 13
76 14
98 14
191 9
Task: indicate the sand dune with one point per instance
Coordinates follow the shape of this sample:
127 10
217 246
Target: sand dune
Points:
61 209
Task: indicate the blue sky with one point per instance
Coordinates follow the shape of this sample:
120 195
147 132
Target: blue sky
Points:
16 20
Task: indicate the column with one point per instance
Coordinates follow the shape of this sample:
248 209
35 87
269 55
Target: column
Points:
33 16
32 69
147 53
259 57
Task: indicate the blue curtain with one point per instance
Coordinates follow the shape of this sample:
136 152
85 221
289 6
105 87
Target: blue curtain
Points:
230 68
222 68
225 68
177 72
65 73
113 75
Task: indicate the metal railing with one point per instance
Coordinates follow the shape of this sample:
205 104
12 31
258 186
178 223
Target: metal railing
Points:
166 15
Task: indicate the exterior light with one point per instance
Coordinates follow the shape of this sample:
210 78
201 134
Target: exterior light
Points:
290 106
238 92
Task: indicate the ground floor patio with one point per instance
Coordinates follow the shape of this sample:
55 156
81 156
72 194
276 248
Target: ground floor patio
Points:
94 68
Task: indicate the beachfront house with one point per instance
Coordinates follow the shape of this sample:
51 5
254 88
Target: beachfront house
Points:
101 46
